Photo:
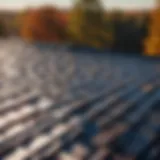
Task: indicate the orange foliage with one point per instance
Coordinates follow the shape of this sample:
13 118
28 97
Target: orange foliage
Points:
152 43
44 24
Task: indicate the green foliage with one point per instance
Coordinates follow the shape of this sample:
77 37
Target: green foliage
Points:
18 21
87 24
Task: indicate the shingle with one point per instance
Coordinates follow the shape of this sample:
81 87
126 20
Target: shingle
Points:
100 154
110 113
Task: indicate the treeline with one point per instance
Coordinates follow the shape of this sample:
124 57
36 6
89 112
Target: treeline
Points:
88 24
8 23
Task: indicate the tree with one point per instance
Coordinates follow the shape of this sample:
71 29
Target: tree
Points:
44 24
129 31
152 42
3 31
87 24
19 21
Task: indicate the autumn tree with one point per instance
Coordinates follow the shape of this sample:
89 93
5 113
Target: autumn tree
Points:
45 24
87 25
152 42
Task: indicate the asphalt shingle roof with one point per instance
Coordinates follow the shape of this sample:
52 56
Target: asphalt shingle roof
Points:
110 111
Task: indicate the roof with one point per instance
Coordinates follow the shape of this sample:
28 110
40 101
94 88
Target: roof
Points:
110 110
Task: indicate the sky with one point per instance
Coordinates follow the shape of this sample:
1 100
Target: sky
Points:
125 4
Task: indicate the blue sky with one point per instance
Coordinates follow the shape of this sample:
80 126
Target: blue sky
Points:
127 4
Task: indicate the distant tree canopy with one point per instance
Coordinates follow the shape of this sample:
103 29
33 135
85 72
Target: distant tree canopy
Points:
87 24
19 20
129 32
3 31
44 24
152 42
